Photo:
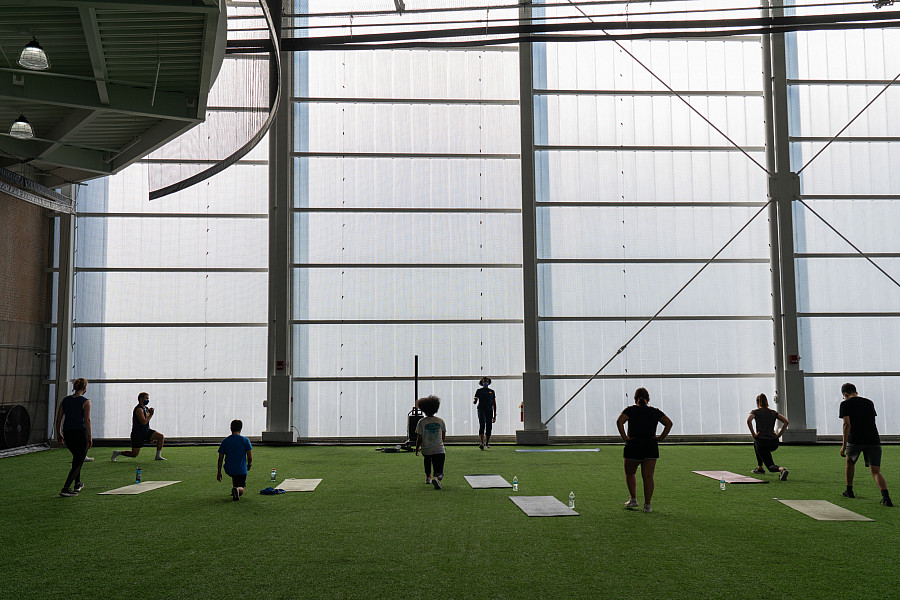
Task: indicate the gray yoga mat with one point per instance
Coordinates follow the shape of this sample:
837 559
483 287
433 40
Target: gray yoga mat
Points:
543 506
560 450
823 510
729 477
299 485
483 482
139 488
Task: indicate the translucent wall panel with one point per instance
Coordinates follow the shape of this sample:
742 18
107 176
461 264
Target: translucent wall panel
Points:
408 294
849 323
696 406
379 408
203 409
418 183
457 350
644 176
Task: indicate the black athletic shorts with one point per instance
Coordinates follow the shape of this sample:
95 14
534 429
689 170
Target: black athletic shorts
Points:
139 440
238 480
641 450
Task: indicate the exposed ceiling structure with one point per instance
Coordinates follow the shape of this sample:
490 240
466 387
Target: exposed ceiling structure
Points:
124 78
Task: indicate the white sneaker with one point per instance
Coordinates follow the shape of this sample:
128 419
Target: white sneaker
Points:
161 458
115 455
647 508
487 446
88 459
436 482
633 503
427 479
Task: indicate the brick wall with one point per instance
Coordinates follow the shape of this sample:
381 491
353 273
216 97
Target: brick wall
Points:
24 295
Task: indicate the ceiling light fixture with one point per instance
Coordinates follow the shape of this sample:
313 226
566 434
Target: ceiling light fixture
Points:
21 129
33 57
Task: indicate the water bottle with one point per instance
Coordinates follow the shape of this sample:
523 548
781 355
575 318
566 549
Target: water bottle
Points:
722 484
571 499
137 475
515 483
272 478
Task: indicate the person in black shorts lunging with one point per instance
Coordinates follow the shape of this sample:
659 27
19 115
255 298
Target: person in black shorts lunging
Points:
765 440
487 411
860 436
140 430
641 447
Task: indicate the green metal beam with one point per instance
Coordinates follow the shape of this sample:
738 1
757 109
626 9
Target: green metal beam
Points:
150 140
43 88
95 49
93 161
169 6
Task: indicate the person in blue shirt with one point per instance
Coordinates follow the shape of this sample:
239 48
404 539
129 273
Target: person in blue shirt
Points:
236 452
75 433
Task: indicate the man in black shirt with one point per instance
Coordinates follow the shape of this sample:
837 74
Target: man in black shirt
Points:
861 437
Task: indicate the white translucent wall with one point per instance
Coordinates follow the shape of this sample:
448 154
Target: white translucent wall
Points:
635 193
849 312
171 297
407 234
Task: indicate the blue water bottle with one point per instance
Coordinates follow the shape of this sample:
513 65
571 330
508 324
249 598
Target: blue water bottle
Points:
137 475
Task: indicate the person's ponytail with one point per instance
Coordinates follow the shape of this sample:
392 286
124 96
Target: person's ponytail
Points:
642 396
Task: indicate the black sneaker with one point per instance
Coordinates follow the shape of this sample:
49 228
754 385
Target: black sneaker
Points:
68 493
887 502
848 494
783 475
758 471
235 494
79 486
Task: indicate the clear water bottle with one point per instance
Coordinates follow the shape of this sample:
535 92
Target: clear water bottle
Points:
571 499
272 478
515 483
722 484
137 475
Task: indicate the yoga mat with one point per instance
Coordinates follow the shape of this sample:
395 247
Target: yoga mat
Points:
299 485
543 506
139 488
823 510
483 482
560 450
729 477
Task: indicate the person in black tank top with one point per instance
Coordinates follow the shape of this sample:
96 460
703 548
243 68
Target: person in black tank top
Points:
75 433
641 444
141 433
765 440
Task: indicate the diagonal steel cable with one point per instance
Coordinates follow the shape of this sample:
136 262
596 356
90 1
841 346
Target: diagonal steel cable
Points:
852 245
838 134
668 87
651 319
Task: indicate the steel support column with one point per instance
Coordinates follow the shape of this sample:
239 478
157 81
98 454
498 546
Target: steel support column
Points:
534 430
65 303
279 393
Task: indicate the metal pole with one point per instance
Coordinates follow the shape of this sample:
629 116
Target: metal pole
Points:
65 307
534 430
279 393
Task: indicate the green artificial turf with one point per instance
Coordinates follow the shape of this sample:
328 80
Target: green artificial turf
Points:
373 529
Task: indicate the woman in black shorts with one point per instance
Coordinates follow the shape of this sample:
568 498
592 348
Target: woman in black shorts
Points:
641 444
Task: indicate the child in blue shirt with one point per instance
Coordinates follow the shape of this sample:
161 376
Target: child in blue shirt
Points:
431 434
236 452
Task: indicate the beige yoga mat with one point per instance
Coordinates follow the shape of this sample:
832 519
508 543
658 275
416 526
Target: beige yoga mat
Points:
299 485
823 510
483 482
139 488
543 506
729 477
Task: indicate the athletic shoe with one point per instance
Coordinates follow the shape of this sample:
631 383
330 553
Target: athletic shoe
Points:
114 456
783 475
436 482
848 494
633 503
79 486
481 446
758 471
647 508
487 446
887 502
427 479
161 458
68 493
88 459
235 495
